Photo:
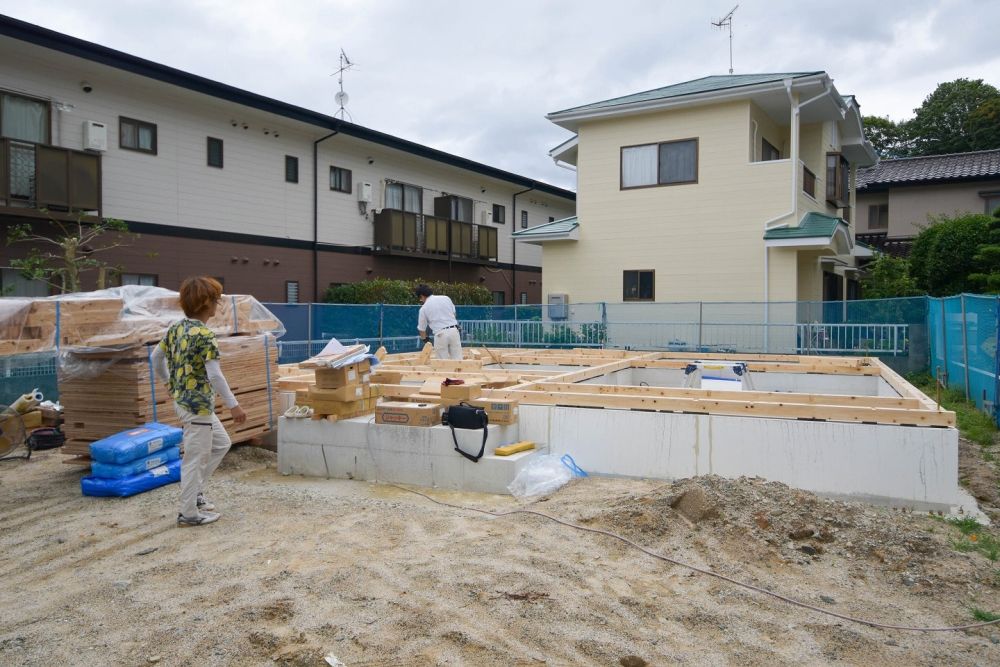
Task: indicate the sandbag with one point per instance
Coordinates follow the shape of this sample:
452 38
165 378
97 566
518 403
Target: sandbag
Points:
129 486
135 443
118 471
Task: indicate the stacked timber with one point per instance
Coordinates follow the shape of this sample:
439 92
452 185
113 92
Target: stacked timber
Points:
125 393
341 393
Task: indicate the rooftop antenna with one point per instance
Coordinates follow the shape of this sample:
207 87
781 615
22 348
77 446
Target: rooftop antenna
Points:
342 98
727 22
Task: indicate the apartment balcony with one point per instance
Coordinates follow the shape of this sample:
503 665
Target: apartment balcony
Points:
38 176
413 235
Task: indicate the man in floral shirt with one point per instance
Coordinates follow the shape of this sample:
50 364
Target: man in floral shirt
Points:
187 359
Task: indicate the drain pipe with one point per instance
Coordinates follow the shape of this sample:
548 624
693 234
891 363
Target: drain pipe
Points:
515 219
796 108
315 243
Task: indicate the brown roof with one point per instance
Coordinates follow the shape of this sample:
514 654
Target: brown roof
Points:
978 165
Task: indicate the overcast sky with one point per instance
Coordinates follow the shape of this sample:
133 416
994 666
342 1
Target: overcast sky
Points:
476 78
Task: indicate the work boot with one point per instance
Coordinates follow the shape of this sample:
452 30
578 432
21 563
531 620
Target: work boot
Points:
202 519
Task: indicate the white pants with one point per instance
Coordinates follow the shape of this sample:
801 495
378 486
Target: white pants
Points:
205 443
448 344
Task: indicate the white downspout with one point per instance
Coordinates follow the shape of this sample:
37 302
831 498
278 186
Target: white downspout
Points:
793 211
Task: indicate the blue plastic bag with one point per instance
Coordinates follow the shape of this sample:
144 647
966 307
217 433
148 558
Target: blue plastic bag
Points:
118 471
135 443
129 486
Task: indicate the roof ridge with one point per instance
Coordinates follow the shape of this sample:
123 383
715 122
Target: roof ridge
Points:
929 157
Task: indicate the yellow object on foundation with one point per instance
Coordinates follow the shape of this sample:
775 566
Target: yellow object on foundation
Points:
507 450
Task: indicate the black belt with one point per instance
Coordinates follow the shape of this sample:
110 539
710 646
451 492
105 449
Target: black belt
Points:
453 326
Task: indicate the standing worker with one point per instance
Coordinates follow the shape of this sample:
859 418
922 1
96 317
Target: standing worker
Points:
192 354
438 313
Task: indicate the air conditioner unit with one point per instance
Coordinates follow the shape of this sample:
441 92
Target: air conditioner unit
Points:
484 217
365 192
95 136
558 306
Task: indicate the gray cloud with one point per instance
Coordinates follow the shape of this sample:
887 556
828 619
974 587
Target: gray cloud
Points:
477 78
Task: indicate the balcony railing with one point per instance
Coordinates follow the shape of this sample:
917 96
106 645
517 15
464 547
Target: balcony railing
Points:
402 232
40 176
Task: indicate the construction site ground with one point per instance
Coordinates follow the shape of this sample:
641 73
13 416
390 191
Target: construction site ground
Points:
300 569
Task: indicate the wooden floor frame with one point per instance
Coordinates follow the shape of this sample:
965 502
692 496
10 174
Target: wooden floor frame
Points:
552 385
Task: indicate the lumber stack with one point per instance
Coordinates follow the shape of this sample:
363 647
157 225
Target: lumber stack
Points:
118 318
124 394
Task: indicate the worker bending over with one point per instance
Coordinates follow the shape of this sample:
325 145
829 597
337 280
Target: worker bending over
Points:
438 313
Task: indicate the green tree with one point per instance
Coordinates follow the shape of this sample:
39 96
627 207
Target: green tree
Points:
987 278
947 120
984 124
888 277
942 257
890 139
61 253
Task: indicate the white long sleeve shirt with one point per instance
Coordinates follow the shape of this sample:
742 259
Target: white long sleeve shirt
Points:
438 312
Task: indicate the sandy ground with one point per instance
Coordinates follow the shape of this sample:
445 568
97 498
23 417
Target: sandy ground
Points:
298 569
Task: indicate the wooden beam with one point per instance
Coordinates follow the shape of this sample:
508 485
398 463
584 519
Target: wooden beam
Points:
770 367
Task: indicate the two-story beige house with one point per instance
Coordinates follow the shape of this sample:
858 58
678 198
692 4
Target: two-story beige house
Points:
725 188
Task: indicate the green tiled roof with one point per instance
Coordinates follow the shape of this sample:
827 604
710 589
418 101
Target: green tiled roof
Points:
564 226
706 84
812 225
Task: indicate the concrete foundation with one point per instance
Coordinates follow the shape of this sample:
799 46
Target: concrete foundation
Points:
423 456
883 464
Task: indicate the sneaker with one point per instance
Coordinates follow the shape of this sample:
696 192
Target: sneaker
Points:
202 519
204 504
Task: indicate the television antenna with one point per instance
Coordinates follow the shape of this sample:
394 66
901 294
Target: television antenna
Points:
342 98
727 22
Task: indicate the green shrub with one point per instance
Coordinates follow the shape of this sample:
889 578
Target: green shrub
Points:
400 292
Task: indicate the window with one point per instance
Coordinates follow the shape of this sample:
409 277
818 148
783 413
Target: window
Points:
499 214
767 151
215 152
499 297
524 219
459 208
291 169
402 197
12 283
669 163
24 118
837 180
340 179
992 201
638 285
149 279
878 216
291 291
524 298
136 135
808 181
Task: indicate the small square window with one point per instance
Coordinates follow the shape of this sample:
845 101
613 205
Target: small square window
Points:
524 219
499 214
878 216
638 286
340 179
136 135
499 298
291 169
148 279
291 291
215 152
524 298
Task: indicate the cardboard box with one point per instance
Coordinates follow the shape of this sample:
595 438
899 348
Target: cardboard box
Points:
408 414
461 392
499 410
352 392
335 378
344 409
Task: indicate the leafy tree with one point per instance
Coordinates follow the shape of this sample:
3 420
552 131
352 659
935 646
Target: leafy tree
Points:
890 139
63 252
987 279
949 118
888 277
385 290
942 256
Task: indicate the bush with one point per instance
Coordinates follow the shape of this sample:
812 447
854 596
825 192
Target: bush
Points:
400 292
888 277
943 255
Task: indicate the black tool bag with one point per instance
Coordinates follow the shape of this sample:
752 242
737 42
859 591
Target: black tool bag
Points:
470 417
